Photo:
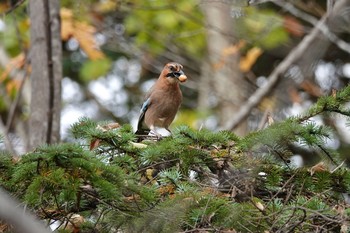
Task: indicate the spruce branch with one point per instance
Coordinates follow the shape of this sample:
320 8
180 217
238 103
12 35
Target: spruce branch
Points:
72 178
327 153
333 103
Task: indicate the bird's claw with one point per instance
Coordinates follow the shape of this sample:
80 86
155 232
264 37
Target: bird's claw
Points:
156 134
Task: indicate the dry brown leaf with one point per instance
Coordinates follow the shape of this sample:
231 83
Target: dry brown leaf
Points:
270 119
4 227
294 95
82 32
334 93
166 189
15 63
249 59
4 6
74 223
94 143
293 26
340 209
231 50
67 27
321 166
109 126
13 84
311 88
132 198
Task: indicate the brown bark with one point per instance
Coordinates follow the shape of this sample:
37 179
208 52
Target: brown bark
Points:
45 58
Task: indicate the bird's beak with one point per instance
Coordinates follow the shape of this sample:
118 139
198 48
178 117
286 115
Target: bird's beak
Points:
181 76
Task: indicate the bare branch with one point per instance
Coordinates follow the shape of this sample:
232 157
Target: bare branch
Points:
256 2
292 57
7 140
14 7
330 4
341 44
256 97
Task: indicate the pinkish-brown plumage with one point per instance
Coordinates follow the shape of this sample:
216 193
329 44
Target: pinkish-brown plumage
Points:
162 101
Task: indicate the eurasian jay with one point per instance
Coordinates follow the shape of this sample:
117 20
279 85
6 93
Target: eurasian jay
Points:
162 101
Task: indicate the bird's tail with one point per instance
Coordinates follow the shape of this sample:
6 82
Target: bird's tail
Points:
141 134
142 131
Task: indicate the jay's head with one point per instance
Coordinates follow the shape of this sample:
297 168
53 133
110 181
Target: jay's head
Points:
173 73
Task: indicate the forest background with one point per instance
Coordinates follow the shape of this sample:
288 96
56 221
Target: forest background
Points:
251 65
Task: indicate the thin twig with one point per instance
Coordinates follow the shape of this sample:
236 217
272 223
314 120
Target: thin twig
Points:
156 164
330 5
24 74
15 102
317 213
256 2
281 228
298 223
339 166
263 119
282 188
7 140
327 153
14 7
199 230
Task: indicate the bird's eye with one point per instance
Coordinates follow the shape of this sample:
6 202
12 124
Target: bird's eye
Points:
172 68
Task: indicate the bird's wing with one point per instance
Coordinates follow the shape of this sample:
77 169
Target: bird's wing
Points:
143 110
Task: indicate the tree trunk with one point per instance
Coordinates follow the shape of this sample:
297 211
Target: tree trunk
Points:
46 75
225 76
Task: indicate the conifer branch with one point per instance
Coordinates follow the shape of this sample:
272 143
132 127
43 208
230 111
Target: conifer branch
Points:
227 178
327 153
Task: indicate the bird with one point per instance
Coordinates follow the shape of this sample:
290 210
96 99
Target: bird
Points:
162 101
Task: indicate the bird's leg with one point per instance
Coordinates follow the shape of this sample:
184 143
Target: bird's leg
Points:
154 131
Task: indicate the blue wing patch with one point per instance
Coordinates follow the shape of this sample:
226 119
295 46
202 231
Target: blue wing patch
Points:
145 106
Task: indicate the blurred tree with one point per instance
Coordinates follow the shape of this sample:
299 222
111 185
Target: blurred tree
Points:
255 63
222 67
46 72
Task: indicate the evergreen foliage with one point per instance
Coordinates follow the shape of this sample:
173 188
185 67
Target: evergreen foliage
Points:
193 181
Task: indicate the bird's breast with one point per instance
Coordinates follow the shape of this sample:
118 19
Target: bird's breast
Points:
163 108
